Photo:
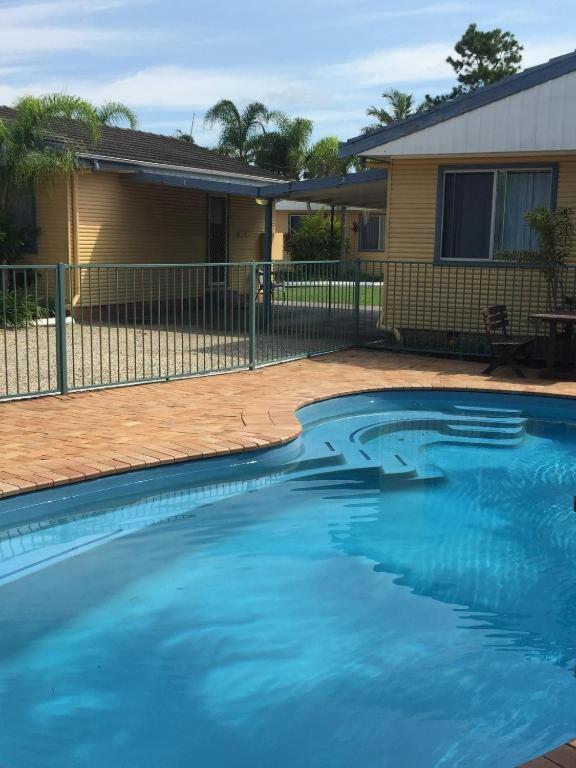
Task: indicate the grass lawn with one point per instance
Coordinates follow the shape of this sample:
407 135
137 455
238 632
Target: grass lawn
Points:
337 294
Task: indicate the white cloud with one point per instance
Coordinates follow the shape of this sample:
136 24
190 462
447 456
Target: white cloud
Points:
434 9
411 64
182 87
33 29
21 42
539 51
38 12
427 63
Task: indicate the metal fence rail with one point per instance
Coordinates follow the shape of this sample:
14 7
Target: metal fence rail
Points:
70 327
422 307
28 343
136 323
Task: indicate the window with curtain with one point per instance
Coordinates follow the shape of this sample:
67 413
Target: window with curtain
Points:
484 211
372 233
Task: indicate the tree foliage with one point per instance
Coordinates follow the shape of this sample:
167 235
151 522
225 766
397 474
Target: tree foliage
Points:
285 148
115 113
323 160
480 58
313 241
185 136
239 130
27 156
400 105
555 231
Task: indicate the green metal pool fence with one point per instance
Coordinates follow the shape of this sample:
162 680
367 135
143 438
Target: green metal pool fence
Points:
72 327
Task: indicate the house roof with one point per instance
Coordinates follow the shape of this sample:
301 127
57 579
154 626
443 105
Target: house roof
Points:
528 78
139 147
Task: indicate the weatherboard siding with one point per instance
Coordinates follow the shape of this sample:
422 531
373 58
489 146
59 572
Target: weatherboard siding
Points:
426 296
53 220
122 222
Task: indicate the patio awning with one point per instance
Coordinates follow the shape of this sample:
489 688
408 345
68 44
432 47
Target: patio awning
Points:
189 181
367 189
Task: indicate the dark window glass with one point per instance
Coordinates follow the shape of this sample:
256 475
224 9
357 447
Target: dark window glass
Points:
218 236
467 215
372 233
294 223
23 213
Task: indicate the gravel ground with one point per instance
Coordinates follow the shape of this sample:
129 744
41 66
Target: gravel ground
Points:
102 354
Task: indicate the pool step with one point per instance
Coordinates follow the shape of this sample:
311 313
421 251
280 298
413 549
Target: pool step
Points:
482 441
474 409
394 468
319 454
496 431
323 456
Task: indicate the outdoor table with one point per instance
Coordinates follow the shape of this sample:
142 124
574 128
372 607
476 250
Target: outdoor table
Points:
554 319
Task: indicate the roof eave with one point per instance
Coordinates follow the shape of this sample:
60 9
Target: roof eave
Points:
529 78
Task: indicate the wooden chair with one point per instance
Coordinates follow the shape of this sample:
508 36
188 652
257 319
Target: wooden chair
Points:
505 348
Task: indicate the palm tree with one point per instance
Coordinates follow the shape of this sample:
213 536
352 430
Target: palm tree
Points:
183 136
115 113
26 157
286 148
323 160
400 104
238 130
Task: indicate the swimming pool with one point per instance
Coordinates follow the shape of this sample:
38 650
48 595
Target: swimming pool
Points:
396 588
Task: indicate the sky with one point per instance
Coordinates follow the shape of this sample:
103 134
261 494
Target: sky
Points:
327 60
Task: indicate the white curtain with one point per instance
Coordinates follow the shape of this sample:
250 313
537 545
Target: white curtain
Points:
517 193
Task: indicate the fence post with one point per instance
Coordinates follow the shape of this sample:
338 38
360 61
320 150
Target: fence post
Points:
253 295
61 365
356 301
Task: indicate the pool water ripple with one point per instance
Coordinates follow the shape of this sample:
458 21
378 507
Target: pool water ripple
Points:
395 589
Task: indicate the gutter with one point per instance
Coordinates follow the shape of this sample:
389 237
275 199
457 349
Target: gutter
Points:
166 167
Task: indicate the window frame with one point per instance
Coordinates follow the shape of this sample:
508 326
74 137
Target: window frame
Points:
381 233
483 168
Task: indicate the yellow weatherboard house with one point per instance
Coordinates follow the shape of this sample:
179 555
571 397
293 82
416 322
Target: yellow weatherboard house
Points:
461 178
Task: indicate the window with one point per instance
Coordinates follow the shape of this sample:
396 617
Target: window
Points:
483 211
23 214
294 223
371 233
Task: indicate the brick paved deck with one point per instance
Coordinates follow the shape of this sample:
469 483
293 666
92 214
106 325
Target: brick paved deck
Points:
55 440
562 757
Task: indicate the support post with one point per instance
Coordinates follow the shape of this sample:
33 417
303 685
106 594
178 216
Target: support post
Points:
356 302
331 230
61 362
343 233
253 296
267 258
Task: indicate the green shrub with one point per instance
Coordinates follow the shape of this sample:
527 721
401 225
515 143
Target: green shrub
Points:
312 242
18 308
555 233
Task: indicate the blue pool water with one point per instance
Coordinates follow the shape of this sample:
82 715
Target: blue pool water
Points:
398 588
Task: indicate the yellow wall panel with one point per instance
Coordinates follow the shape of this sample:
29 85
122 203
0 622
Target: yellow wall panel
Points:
52 217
